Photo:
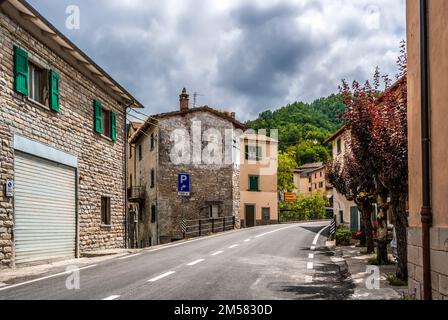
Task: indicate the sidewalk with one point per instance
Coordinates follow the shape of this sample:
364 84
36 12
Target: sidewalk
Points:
350 258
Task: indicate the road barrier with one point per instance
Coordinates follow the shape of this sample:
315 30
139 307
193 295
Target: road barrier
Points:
202 227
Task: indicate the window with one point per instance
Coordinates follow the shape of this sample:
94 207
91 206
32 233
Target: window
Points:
38 84
338 146
213 211
321 184
130 151
152 178
105 211
140 155
321 174
254 183
152 141
106 122
253 153
309 189
341 216
153 214
130 180
315 176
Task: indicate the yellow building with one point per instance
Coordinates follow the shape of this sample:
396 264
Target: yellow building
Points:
258 180
309 178
428 169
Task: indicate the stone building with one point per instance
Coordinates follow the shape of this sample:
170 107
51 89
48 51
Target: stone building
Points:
62 158
200 142
258 180
428 171
311 177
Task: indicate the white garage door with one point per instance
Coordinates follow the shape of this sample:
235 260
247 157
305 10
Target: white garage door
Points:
45 209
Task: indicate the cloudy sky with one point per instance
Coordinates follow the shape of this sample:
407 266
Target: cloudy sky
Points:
243 56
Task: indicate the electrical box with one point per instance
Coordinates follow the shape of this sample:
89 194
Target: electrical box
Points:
9 189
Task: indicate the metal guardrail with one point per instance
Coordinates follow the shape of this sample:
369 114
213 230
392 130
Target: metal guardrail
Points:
201 227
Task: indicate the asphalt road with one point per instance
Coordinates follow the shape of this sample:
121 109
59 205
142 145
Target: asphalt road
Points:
270 262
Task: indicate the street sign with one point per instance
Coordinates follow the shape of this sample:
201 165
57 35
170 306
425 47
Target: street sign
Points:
183 184
9 189
290 197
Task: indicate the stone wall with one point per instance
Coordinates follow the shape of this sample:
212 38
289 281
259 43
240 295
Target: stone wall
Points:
210 183
439 262
100 160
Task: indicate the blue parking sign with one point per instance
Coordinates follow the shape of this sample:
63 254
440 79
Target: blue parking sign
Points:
183 184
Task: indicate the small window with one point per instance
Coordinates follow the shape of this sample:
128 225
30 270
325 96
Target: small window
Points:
253 153
321 184
341 216
338 146
140 154
130 151
152 141
254 183
315 176
153 214
38 84
321 174
105 211
309 189
130 180
106 123
213 211
153 178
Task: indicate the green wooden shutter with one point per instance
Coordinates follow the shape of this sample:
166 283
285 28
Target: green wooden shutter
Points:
20 71
98 119
54 91
253 183
258 153
247 151
113 126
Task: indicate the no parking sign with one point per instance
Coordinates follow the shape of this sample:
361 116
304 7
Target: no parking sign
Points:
183 184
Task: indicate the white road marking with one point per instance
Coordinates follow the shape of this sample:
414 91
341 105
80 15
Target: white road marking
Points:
166 274
276 230
234 246
129 256
112 297
46 277
308 279
318 234
216 253
195 262
247 240
313 248
309 265
311 256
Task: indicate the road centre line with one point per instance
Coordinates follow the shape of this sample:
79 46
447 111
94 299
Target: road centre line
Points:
276 230
309 265
311 256
247 240
112 297
195 262
46 277
216 253
234 246
318 234
313 248
166 274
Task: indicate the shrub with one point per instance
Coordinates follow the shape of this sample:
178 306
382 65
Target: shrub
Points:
396 282
343 236
357 235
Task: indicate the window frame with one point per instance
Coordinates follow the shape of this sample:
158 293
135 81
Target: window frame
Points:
140 152
153 213
258 183
44 82
106 211
152 179
151 142
106 118
339 146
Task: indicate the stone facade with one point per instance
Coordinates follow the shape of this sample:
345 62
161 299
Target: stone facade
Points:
101 161
211 184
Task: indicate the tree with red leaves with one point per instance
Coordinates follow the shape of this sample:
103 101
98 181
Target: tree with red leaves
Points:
376 165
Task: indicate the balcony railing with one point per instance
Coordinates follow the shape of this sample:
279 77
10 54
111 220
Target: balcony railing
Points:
136 193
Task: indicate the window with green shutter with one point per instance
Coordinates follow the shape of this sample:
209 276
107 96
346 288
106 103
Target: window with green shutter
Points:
253 183
113 126
246 152
54 91
98 116
20 70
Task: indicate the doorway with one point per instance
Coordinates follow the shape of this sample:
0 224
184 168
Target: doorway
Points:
249 215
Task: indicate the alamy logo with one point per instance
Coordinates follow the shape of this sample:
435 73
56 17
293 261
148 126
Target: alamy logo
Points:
73 21
72 282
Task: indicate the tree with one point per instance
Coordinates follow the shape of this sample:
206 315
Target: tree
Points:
285 171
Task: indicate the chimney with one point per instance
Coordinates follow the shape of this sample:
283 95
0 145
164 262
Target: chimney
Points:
184 99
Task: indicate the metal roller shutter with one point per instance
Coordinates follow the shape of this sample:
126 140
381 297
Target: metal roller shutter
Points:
45 209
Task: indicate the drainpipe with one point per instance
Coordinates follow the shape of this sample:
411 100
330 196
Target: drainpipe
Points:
125 142
426 211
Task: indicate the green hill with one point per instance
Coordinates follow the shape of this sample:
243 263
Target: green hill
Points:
304 126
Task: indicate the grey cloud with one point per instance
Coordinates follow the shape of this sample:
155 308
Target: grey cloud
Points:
244 56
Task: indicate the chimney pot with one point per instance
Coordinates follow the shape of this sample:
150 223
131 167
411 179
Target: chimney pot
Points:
184 100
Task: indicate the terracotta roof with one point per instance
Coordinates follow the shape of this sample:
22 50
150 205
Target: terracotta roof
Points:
311 165
152 120
335 135
218 113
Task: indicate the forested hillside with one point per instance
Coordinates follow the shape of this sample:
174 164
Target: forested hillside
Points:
304 126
